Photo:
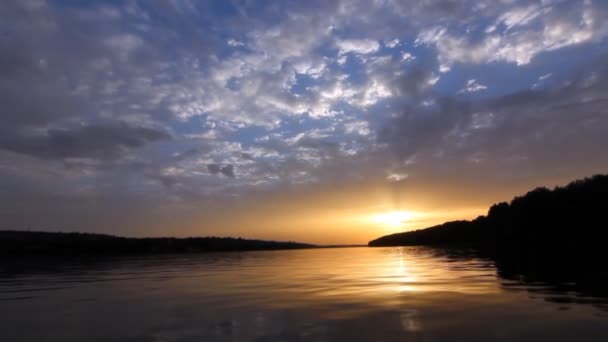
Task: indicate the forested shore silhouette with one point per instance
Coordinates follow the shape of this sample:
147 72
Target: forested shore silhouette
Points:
557 236
569 218
58 243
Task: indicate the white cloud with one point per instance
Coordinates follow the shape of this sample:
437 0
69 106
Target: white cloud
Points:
396 177
541 80
359 127
472 87
361 46
314 69
431 35
373 92
482 120
432 80
521 15
520 42
391 44
407 57
234 43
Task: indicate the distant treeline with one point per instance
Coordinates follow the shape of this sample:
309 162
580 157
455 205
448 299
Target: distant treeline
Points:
570 219
49 243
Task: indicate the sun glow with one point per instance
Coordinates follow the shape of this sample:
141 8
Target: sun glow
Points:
393 219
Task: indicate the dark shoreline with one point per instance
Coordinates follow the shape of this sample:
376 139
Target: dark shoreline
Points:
568 219
40 243
554 236
37 243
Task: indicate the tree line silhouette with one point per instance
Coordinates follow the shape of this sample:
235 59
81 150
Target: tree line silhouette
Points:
557 235
56 243
572 217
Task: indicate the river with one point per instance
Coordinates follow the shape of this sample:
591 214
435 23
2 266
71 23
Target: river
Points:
333 294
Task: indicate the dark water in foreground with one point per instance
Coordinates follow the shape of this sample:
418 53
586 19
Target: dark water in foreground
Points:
344 294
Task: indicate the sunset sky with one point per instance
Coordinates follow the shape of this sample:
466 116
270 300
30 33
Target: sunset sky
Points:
316 121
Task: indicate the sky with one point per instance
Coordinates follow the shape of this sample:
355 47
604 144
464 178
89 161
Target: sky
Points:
315 121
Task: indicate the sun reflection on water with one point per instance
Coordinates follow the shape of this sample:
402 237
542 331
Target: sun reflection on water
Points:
329 294
349 274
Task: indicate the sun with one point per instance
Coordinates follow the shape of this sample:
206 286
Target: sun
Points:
393 219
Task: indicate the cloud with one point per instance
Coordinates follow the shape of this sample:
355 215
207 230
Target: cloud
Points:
406 56
520 16
415 130
557 26
124 43
391 44
225 170
234 43
504 136
96 141
396 177
361 46
473 86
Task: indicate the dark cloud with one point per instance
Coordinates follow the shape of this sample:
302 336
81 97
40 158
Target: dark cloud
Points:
31 95
214 168
532 132
247 156
100 141
192 152
417 130
226 170
415 80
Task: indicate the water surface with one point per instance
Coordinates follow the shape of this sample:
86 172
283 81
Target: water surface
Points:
341 294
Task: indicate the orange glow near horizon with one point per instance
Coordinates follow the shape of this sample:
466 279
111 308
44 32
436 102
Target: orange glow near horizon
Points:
393 219
357 225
